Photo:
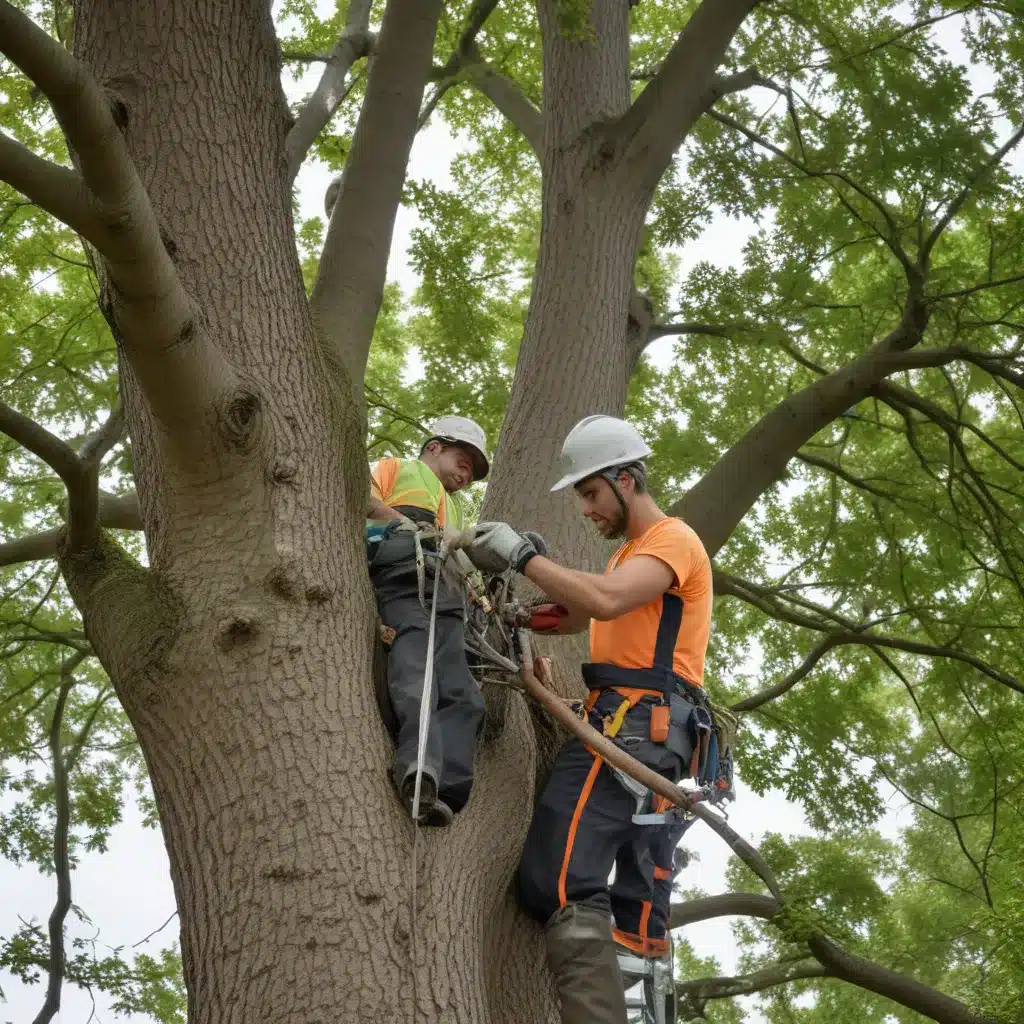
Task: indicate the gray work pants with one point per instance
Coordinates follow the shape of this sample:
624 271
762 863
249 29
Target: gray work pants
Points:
457 706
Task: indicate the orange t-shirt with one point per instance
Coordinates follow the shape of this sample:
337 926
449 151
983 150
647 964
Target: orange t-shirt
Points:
630 640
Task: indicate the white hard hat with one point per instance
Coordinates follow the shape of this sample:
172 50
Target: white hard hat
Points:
463 431
597 443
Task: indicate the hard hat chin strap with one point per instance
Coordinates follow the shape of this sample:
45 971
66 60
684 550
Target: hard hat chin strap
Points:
612 476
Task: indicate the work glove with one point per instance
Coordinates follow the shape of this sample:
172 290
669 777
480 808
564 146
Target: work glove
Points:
496 547
540 545
545 618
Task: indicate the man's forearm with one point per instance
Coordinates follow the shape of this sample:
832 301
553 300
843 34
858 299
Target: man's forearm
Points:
575 622
378 510
582 593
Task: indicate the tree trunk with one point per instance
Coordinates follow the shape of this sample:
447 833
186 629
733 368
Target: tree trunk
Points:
244 658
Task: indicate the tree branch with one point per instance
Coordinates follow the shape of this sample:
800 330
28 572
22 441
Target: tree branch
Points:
961 292
964 194
662 115
61 856
510 101
695 993
728 904
785 685
897 987
836 961
746 853
890 238
79 472
38 440
689 327
353 266
355 42
57 190
720 499
153 313
465 53
852 633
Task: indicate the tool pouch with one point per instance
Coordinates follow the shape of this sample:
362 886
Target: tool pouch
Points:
680 738
661 717
702 726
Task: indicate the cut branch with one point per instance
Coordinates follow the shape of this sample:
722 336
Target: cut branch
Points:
355 42
660 118
350 282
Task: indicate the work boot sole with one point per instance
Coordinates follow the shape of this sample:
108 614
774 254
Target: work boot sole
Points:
434 812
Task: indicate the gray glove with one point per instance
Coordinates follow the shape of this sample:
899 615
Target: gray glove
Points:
496 547
540 545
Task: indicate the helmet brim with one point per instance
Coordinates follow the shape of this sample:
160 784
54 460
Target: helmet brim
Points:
568 480
571 479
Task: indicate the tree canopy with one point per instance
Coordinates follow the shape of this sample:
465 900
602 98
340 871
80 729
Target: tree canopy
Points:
859 188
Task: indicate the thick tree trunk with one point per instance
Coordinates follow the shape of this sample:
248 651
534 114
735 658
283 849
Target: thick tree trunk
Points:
575 359
244 658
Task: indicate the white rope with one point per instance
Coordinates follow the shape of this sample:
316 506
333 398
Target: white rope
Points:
426 702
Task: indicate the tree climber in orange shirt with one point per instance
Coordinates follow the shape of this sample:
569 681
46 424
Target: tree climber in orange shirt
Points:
650 619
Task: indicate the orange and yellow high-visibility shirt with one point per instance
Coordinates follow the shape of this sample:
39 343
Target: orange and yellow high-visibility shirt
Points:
411 482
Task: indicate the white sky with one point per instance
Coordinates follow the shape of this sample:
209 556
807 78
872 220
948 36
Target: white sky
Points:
127 892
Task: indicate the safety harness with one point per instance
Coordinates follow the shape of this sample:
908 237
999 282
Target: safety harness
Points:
683 719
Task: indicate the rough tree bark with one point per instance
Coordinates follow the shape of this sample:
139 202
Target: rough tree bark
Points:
243 656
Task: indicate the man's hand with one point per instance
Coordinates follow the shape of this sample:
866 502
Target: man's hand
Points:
380 512
496 547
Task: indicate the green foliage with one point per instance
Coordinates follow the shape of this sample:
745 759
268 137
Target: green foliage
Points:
902 521
574 19
690 966
144 984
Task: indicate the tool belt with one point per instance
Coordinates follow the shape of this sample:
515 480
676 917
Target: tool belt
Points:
658 716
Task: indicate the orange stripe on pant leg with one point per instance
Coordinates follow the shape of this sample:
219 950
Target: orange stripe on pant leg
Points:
645 916
577 814
630 941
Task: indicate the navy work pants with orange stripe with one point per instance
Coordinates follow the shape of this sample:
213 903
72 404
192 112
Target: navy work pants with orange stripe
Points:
583 826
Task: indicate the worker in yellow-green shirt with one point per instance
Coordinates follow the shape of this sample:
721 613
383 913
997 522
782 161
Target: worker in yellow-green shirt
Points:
423 490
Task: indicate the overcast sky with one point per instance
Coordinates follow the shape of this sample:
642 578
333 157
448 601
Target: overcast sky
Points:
127 892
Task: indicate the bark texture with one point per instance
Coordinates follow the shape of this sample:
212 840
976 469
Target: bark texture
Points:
573 360
243 658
